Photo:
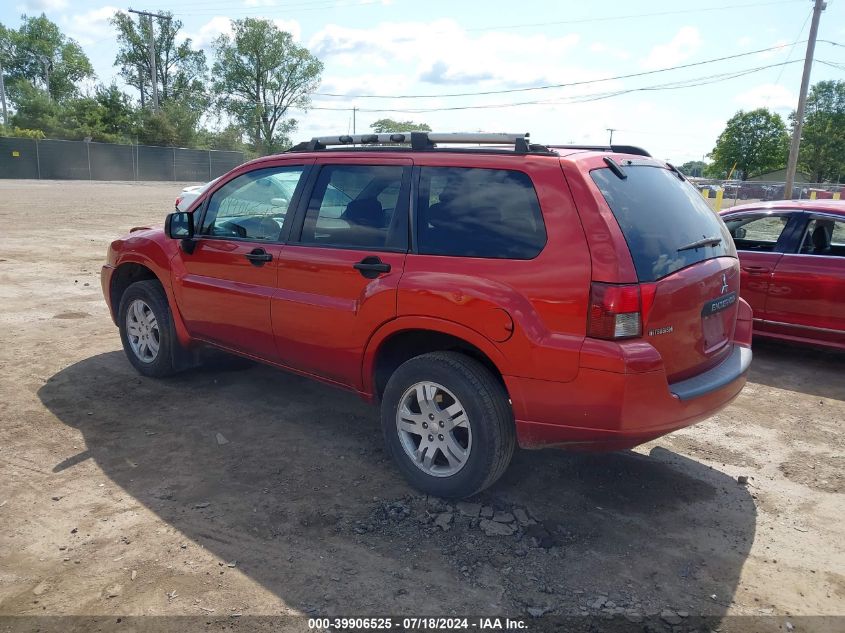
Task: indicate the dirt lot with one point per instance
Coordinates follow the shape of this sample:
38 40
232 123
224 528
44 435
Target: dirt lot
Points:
117 499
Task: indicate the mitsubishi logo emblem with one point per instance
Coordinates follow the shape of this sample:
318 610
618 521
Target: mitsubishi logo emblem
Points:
724 283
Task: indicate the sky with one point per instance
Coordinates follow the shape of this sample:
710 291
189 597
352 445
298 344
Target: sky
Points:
431 49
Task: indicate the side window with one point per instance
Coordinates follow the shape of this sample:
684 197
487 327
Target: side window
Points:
363 206
469 212
252 206
824 236
757 232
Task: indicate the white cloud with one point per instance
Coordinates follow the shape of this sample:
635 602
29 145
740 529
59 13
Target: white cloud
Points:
259 3
221 25
90 27
208 32
772 96
36 6
291 26
611 51
686 42
442 52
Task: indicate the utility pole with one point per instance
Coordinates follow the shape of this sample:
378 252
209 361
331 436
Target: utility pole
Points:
141 85
152 48
354 111
611 130
46 61
3 95
792 163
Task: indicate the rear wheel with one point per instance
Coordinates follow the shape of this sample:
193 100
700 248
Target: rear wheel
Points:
448 424
146 329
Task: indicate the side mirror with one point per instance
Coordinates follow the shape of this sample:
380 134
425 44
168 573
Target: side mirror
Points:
739 233
179 225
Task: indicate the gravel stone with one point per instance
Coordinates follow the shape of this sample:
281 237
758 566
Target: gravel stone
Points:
493 528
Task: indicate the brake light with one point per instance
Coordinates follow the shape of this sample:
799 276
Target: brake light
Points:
615 311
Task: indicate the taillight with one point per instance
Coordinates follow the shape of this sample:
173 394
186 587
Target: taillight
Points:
178 201
615 311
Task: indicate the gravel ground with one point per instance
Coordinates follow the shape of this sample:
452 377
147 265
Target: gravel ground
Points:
239 489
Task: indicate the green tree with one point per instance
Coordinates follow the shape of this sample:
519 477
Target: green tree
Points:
822 153
383 126
181 71
229 138
36 44
34 110
752 143
260 74
118 116
694 168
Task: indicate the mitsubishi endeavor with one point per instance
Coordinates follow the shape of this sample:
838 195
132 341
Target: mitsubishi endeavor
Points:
485 291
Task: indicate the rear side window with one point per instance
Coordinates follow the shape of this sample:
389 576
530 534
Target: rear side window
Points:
661 216
467 212
824 236
359 206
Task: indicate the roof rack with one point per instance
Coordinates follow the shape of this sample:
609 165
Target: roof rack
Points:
428 140
619 149
418 140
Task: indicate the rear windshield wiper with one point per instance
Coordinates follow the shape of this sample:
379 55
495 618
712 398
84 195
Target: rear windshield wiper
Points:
707 241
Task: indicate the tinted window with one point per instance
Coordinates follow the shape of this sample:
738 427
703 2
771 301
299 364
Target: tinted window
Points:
253 205
361 206
757 233
824 236
478 213
659 215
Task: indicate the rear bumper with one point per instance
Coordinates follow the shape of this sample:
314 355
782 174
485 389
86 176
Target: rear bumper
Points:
607 410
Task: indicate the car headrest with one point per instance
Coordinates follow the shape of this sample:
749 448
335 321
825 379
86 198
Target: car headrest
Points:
365 212
821 238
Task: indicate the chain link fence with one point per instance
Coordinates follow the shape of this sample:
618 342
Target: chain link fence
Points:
81 160
723 194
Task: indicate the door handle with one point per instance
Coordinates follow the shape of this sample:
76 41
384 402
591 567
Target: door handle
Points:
258 256
371 267
756 269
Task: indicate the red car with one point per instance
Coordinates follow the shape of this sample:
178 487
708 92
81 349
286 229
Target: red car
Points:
792 255
484 296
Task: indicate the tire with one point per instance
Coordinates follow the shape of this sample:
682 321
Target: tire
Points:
444 390
154 350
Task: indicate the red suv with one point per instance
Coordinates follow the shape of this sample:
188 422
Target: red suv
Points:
578 297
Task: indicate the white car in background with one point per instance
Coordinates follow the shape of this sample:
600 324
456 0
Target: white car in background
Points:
187 196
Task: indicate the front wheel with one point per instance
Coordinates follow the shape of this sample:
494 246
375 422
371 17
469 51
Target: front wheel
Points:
146 329
448 424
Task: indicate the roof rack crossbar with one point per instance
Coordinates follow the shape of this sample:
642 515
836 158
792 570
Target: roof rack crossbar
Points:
423 139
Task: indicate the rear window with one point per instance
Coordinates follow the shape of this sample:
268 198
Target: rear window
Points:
659 215
468 212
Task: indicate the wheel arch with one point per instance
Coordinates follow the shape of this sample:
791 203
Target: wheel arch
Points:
124 275
136 267
403 339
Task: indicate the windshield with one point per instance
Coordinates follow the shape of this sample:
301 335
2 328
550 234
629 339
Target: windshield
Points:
665 221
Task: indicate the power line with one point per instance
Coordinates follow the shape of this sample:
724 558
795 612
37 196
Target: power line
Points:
684 83
792 161
274 9
612 18
561 85
792 48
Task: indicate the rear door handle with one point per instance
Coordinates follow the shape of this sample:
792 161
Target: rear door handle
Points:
371 267
756 269
258 256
